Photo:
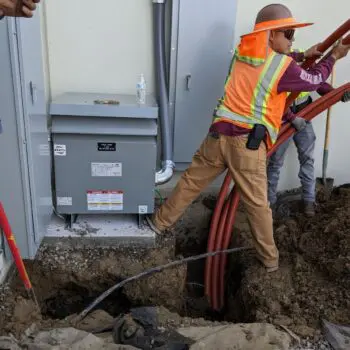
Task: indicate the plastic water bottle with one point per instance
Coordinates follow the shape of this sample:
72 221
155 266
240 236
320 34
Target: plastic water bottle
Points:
141 90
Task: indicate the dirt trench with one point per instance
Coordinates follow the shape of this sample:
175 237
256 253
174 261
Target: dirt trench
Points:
313 281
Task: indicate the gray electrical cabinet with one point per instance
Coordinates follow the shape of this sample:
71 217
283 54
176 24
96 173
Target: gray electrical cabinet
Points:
104 154
202 43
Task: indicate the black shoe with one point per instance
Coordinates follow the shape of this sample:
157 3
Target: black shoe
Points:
309 209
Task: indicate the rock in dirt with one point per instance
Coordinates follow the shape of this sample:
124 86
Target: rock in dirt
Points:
61 339
25 309
96 322
239 336
9 343
338 336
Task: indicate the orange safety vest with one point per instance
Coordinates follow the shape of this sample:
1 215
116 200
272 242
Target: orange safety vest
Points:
251 92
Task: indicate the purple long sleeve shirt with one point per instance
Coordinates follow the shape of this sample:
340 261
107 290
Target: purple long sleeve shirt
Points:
294 79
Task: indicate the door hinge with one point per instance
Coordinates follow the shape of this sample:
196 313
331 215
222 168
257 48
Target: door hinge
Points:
33 92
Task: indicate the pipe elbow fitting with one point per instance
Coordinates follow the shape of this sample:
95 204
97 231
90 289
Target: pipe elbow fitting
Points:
166 173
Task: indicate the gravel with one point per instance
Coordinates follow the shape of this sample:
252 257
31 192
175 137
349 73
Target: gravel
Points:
308 345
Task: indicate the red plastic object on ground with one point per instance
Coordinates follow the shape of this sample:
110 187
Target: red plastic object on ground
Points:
225 210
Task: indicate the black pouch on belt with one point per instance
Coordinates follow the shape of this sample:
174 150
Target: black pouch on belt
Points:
256 135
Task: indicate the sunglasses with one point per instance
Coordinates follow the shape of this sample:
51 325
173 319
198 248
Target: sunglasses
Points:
288 33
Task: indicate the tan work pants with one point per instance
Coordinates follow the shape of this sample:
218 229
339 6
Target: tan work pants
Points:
248 170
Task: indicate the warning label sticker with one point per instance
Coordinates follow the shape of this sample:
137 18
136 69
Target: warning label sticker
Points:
105 200
106 169
64 201
143 209
60 150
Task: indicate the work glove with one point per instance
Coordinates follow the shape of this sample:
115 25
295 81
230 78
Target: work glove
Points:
346 97
299 123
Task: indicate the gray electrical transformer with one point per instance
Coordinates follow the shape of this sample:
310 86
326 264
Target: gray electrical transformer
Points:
104 154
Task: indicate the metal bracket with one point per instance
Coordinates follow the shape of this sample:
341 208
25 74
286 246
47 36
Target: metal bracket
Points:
70 219
188 82
141 218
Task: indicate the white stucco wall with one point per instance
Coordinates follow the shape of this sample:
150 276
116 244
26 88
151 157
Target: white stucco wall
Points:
104 47
99 46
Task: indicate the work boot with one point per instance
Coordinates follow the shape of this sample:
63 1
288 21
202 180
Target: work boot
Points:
152 226
309 209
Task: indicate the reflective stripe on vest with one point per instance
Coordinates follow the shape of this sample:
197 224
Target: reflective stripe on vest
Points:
224 113
268 76
249 60
303 97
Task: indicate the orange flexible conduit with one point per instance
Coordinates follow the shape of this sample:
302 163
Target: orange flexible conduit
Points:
225 210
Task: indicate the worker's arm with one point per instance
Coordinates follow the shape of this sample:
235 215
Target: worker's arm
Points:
324 89
17 8
300 55
296 79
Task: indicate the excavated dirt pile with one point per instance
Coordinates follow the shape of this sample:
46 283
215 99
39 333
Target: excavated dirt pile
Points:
313 282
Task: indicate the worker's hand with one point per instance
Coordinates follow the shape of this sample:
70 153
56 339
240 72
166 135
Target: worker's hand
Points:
313 52
340 51
299 123
346 97
18 8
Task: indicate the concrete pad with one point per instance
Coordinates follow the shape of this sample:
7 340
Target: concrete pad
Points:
102 229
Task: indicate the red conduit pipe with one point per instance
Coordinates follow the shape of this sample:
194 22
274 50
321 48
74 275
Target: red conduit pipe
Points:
219 237
226 242
328 42
213 226
323 47
11 241
224 189
308 113
312 110
5 226
346 41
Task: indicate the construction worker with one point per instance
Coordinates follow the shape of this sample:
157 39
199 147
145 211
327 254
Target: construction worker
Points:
246 124
17 8
304 141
